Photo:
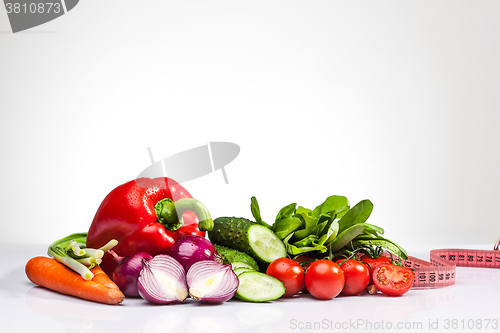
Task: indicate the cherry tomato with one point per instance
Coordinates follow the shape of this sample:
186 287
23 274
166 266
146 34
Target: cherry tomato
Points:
290 273
374 263
308 261
356 275
324 279
393 280
301 259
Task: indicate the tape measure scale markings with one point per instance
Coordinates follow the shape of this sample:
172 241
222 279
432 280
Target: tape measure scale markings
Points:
434 274
441 270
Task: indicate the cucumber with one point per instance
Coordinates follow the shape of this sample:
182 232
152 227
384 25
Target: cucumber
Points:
231 255
242 270
259 287
240 264
247 236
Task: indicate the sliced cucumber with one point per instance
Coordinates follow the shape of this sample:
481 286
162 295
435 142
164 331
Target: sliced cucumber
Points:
266 245
249 237
259 287
240 264
241 270
231 255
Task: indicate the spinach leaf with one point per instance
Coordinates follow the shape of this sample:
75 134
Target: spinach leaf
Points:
373 229
330 235
293 250
310 240
318 230
254 207
357 214
309 222
333 226
346 236
299 248
286 225
286 211
332 206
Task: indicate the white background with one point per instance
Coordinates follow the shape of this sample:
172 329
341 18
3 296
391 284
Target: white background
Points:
394 101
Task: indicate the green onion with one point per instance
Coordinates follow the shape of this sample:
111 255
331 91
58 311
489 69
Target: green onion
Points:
73 252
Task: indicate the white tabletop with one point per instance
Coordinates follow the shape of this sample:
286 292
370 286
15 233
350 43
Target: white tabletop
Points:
467 306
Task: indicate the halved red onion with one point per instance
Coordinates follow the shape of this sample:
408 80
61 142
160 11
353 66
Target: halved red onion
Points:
162 280
211 282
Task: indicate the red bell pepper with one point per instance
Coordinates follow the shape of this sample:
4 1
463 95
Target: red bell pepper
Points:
143 215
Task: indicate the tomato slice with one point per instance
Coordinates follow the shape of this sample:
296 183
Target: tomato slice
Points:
393 280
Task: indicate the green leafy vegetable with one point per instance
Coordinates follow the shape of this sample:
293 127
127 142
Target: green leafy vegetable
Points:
332 226
286 226
346 236
357 214
285 222
308 221
331 233
254 207
333 205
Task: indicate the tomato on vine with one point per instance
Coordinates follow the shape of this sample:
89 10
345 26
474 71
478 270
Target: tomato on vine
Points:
356 275
374 263
324 279
290 273
304 261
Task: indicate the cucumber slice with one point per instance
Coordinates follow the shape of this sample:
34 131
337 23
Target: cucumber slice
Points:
259 287
266 245
249 237
231 255
241 270
240 264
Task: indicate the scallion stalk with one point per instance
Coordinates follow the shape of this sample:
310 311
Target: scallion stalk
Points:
72 252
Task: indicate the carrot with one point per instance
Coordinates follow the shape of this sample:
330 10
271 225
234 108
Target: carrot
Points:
103 278
53 275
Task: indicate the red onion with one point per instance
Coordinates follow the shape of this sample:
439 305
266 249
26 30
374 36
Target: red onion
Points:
191 249
211 282
127 272
162 280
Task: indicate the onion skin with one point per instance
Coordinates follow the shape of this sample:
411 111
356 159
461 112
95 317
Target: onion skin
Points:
211 282
162 280
127 272
191 249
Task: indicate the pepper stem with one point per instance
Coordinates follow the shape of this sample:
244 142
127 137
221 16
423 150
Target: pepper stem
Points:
170 213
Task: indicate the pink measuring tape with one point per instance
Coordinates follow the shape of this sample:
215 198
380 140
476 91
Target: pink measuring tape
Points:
441 270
